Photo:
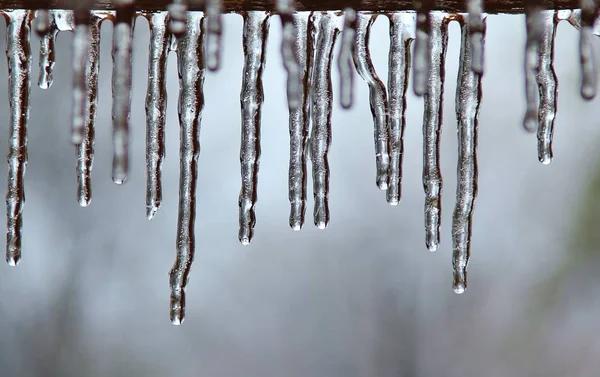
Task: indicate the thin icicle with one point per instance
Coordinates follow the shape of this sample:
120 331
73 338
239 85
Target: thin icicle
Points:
345 65
289 53
299 127
535 26
156 109
18 54
321 102
589 12
121 90
548 88
190 65
422 46
177 17
214 27
401 27
85 150
48 30
80 83
468 98
256 31
476 23
432 129
377 97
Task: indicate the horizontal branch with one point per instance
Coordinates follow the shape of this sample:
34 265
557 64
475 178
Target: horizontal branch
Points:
491 6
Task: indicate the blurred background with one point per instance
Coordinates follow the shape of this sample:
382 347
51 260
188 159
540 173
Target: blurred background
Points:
362 298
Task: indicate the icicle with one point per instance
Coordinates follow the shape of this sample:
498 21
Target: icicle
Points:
345 65
377 97
18 54
85 150
48 31
289 53
44 21
422 45
535 25
214 8
299 126
432 128
321 102
468 97
190 65
477 30
256 31
401 25
177 17
589 12
80 83
121 88
548 88
156 109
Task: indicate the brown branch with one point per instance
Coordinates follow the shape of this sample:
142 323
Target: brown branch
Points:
491 6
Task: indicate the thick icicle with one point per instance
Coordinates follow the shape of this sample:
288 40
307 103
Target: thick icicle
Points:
47 40
477 30
80 83
432 129
289 53
345 65
256 31
156 109
85 150
468 97
18 54
177 17
377 97
321 104
401 29
214 29
299 127
422 46
589 12
121 90
548 88
190 65
535 26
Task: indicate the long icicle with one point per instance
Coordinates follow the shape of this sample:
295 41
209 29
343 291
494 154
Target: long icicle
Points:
401 25
299 127
289 53
156 109
589 12
535 25
18 54
190 65
476 22
121 88
345 64
432 128
47 52
422 45
256 32
321 101
80 83
468 98
548 88
214 30
85 150
377 97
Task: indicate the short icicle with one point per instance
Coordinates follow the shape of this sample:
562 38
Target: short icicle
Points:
535 26
432 128
47 53
121 89
18 54
422 45
177 17
299 127
401 36
80 83
289 52
190 66
589 13
476 22
468 98
44 20
85 150
321 105
255 36
156 109
377 97
548 88
345 64
214 30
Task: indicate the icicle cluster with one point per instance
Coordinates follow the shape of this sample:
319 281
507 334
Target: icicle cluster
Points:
307 50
